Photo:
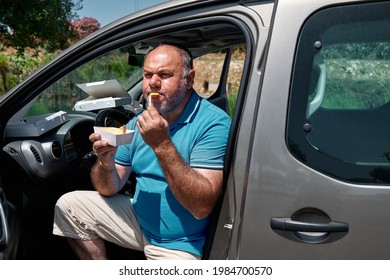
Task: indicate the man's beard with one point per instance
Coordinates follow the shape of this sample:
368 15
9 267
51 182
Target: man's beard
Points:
169 104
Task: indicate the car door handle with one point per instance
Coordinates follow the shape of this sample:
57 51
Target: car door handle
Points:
288 224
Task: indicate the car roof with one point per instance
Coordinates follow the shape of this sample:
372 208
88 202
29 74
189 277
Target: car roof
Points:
198 40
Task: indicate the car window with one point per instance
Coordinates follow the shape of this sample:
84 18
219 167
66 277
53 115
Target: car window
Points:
341 92
208 69
125 66
64 93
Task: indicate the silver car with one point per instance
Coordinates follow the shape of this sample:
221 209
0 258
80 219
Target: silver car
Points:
307 84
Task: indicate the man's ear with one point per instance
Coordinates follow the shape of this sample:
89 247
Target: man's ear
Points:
191 78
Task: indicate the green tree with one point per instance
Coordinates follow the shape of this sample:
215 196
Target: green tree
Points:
37 23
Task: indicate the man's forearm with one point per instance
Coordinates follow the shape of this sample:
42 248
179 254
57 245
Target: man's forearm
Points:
193 190
104 178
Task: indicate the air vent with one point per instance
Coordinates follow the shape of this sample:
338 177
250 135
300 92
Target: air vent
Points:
56 150
36 153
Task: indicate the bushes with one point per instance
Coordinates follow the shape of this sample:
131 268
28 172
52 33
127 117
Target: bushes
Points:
16 63
4 71
85 26
14 68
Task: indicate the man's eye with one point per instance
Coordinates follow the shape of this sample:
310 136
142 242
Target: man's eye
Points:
165 76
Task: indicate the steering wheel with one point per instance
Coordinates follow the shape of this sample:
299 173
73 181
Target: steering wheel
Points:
113 117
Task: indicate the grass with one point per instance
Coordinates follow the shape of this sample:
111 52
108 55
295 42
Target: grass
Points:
357 84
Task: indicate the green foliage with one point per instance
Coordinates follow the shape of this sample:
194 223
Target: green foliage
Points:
352 94
4 71
37 23
232 100
357 75
370 51
14 68
3 61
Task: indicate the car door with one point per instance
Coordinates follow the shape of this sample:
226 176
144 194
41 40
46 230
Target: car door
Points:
316 182
4 228
215 29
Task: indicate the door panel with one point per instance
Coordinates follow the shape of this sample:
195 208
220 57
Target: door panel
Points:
306 198
4 229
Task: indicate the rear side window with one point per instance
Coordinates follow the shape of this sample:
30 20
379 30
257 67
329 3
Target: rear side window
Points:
339 117
209 71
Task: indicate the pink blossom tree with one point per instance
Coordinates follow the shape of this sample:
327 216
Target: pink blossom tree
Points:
84 26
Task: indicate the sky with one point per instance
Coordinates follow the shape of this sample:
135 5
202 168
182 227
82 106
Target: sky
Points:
106 11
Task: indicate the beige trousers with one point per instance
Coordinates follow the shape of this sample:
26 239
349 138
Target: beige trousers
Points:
86 215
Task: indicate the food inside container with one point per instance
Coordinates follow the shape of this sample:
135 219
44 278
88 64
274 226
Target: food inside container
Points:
114 135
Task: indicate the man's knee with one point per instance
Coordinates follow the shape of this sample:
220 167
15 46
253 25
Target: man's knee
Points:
69 217
74 199
68 204
64 202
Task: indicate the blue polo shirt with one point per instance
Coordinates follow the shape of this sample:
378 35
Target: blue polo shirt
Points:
200 136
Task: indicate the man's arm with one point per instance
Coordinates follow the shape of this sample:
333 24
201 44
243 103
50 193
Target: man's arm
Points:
107 177
196 189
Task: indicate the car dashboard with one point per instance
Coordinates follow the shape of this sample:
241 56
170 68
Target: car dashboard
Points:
55 153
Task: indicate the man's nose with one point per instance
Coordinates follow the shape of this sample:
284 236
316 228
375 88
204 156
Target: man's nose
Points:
155 81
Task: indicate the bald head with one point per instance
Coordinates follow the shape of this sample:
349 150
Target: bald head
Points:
168 71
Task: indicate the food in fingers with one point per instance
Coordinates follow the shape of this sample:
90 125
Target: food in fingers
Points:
153 96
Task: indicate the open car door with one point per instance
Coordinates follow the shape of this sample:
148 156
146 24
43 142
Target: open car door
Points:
4 232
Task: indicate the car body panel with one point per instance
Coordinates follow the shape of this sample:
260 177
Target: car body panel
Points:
272 198
279 185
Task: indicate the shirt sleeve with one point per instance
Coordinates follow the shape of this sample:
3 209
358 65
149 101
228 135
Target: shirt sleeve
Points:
209 151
